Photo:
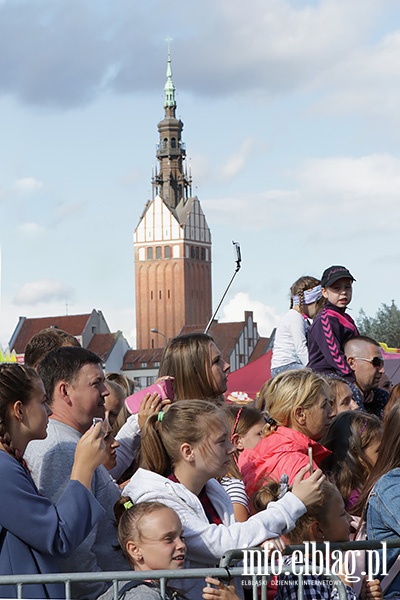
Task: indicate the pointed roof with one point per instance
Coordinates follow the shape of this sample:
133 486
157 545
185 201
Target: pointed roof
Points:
169 88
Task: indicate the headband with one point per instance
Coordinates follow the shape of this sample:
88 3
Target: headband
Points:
239 412
309 296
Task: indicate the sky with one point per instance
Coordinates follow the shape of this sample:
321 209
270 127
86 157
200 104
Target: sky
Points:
291 125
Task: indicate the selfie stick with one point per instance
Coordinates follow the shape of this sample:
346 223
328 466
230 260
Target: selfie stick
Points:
238 265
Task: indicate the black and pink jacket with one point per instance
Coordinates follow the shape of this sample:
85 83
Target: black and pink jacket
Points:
326 338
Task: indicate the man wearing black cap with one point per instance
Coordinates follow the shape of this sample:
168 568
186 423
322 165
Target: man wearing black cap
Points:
332 327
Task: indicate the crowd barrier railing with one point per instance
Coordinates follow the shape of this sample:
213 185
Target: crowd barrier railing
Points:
227 569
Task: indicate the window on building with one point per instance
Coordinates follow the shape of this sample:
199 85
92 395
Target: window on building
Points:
192 252
143 365
169 294
203 254
150 381
151 295
156 365
197 252
173 142
167 252
149 253
159 294
158 252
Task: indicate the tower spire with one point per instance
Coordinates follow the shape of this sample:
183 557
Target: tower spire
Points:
169 88
170 180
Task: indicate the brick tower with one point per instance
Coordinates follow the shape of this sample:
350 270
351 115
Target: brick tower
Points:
172 242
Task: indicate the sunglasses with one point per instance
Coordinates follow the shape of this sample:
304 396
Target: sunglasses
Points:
376 362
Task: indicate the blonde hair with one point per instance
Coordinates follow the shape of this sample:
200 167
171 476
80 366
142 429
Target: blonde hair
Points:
286 392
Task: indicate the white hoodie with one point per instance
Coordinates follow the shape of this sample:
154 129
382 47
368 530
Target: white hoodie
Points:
206 542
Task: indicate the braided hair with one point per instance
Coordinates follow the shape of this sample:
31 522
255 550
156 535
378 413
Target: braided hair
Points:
16 383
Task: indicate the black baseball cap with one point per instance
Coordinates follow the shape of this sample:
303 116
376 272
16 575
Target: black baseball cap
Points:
332 274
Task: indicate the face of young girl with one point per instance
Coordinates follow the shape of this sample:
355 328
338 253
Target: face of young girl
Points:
111 445
339 293
219 369
337 527
344 398
251 437
36 413
161 544
213 453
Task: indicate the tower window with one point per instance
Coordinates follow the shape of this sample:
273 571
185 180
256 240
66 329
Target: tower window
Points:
150 253
167 252
159 294
169 294
158 252
197 252
192 252
151 295
173 142
203 254
165 142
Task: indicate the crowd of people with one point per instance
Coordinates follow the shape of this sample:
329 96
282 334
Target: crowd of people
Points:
89 487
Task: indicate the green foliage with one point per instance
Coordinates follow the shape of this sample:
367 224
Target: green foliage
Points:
384 326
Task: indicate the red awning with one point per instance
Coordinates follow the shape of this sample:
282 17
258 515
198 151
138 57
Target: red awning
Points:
250 378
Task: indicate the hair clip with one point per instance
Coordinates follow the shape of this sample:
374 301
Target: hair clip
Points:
127 505
160 416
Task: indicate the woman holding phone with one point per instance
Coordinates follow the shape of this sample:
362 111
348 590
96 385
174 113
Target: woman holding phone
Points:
34 532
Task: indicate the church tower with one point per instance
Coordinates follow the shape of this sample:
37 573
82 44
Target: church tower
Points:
172 242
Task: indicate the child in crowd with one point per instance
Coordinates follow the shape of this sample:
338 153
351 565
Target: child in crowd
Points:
246 426
354 438
290 343
332 326
341 394
184 450
325 521
111 445
151 537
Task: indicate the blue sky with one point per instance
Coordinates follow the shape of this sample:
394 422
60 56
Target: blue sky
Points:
291 129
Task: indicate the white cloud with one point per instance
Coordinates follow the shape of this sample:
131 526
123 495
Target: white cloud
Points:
357 179
265 316
353 193
31 229
237 161
28 184
43 291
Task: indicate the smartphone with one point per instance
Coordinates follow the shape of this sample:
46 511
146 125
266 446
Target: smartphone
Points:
310 459
164 388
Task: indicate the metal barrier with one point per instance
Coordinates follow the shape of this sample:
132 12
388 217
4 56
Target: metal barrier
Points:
224 571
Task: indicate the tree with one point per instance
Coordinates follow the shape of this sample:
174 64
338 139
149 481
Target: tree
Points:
384 327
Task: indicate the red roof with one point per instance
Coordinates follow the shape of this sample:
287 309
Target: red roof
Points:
134 359
102 344
73 324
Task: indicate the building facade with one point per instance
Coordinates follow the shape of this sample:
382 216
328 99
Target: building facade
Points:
172 242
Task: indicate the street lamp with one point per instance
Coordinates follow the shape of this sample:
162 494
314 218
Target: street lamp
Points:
160 333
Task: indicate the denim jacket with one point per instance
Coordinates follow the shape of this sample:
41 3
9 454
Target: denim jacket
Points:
383 519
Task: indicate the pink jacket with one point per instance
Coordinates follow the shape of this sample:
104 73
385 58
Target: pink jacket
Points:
284 451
